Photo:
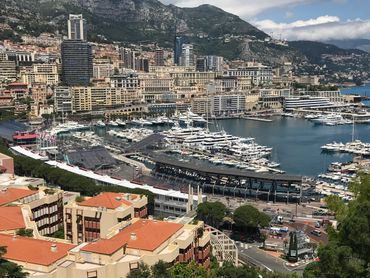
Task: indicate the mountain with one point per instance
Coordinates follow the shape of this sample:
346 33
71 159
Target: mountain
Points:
212 30
336 64
361 44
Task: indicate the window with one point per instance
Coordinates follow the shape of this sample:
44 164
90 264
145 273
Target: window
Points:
92 274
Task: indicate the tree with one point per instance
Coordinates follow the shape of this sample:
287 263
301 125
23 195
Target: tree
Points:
230 271
160 270
347 253
25 232
142 271
212 213
191 270
249 218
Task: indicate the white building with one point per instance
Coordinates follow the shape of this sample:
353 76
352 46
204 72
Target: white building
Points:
76 27
259 73
187 55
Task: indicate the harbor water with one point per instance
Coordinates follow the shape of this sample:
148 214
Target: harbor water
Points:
296 142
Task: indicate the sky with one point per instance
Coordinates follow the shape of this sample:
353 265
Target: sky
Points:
318 20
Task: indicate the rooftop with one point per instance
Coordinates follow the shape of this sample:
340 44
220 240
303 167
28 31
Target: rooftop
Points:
150 234
11 218
13 194
109 200
35 251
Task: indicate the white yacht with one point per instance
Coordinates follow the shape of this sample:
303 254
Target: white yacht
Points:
100 123
190 118
331 120
112 123
141 122
119 122
67 127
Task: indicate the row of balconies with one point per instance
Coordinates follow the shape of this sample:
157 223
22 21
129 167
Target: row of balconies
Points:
203 253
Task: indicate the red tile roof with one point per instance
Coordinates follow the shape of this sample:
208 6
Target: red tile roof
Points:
11 218
107 200
13 194
35 251
150 234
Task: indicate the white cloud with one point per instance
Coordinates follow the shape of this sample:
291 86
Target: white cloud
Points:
317 29
243 8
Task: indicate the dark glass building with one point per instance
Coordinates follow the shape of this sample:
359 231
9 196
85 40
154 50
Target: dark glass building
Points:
179 41
77 63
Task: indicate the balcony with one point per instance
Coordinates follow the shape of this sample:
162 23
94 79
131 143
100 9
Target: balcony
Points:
203 254
205 239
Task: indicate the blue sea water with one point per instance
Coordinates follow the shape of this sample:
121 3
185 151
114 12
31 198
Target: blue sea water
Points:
296 142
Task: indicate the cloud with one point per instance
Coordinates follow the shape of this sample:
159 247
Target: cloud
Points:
242 8
317 29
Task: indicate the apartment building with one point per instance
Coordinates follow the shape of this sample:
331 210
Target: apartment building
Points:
155 88
192 78
259 73
45 206
8 71
226 104
95 98
40 92
201 106
40 73
63 100
128 81
141 240
95 217
102 70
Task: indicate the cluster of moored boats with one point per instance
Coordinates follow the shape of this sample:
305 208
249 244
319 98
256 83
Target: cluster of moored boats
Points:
332 119
220 148
356 147
132 134
185 119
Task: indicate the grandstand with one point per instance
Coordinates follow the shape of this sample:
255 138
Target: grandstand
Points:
95 158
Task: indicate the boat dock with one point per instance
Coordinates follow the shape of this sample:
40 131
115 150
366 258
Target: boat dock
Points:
257 119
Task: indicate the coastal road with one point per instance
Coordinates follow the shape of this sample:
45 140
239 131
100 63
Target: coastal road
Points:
255 256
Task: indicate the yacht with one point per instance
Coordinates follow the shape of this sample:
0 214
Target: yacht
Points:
141 122
190 118
330 120
119 122
112 123
312 116
100 123
67 127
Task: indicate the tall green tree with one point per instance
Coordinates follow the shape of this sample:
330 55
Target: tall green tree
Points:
348 252
212 213
143 271
160 270
248 218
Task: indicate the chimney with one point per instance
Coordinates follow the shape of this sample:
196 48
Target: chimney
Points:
133 236
54 248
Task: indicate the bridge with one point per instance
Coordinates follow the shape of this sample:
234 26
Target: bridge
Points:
231 182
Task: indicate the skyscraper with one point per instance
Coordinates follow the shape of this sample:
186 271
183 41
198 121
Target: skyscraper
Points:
159 57
179 41
187 55
76 27
77 63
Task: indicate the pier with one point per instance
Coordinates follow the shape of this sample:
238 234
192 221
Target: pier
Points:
257 119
